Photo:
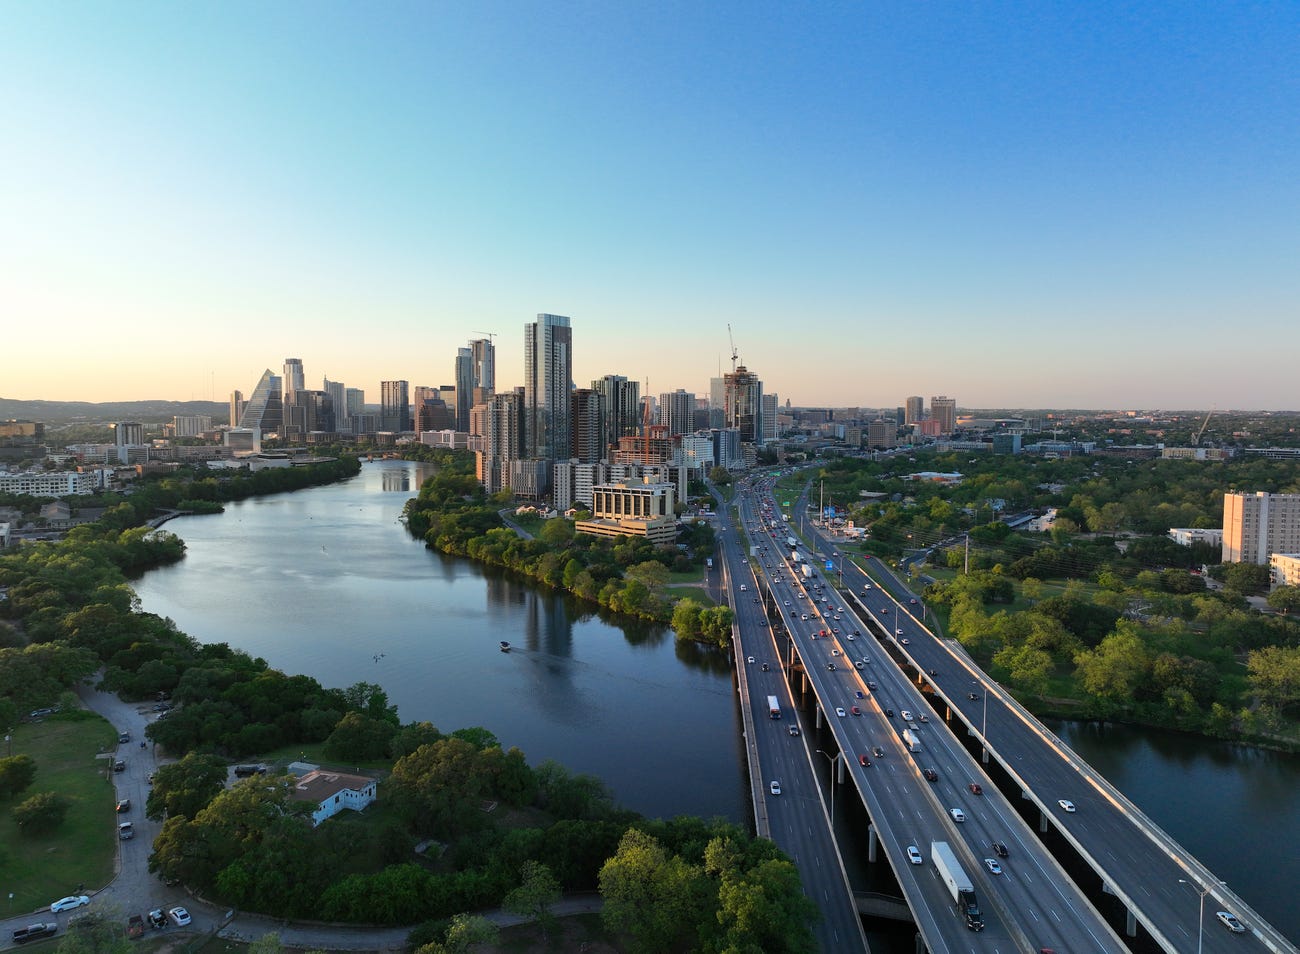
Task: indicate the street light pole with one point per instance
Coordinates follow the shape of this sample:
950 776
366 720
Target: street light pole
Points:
1202 890
833 759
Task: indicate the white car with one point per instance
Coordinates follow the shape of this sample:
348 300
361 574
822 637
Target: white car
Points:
1230 921
1066 804
68 903
907 716
993 866
957 814
898 632
850 637
905 641
835 652
839 712
180 917
751 659
914 855
774 788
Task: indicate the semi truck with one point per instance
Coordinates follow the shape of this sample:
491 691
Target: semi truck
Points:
791 542
807 572
911 740
958 884
795 556
773 708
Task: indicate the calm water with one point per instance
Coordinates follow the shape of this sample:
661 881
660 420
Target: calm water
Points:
322 581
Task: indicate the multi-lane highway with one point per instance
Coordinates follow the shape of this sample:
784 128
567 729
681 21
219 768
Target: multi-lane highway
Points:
1030 902
1159 882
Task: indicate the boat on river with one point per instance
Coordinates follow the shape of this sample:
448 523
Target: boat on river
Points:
505 647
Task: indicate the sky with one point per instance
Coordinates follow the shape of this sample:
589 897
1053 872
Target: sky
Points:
1039 204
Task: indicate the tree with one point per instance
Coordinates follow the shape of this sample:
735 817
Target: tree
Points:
1246 578
650 895
1117 667
17 773
720 475
1285 599
537 892
1275 674
765 910
186 787
359 738
42 813
95 932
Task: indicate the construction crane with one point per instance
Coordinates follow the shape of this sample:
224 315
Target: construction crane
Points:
1196 441
490 335
734 354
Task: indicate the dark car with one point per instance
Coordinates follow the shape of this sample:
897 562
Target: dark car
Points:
975 788
123 737
34 932
157 918
890 713
766 667
124 806
863 760
972 695
930 775
999 849
119 766
877 751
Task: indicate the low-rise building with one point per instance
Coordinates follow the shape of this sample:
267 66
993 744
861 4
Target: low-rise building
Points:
332 792
633 508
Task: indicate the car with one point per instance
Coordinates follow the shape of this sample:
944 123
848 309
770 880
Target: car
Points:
126 831
889 713
856 711
152 775
835 652
993 866
124 805
872 686
906 715
774 787
839 712
123 737
859 694
787 602
803 616
119 766
863 760
766 668
934 672
1229 920
792 729
743 587
975 788
857 632
850 637
905 641
912 600
898 632
33 932
41 713
757 600
135 926
930 775
750 659
957 814
1066 804
922 718
157 919
999 849
884 611
69 903
877 751
972 695
180 917
914 855
857 664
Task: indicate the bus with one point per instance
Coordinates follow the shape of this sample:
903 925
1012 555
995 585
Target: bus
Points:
773 708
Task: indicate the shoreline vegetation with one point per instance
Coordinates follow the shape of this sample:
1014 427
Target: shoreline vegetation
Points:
68 612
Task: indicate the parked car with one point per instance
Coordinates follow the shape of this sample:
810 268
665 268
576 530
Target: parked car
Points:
119 765
123 737
180 917
34 932
157 919
69 903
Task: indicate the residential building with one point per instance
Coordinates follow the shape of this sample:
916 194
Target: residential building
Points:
944 411
588 440
236 407
332 792
620 408
1284 568
1255 526
771 426
484 353
676 411
190 425
881 433
914 410
395 406
504 440
1186 536
339 402
127 433
41 483
548 381
744 404
573 483
464 387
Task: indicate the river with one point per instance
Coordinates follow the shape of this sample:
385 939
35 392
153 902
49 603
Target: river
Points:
327 582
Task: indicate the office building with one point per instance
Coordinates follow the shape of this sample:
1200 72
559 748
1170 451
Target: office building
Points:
881 433
127 433
944 411
620 408
771 429
1255 526
339 403
633 508
431 411
236 407
548 382
395 406
484 354
293 378
914 410
464 387
265 409
743 408
677 412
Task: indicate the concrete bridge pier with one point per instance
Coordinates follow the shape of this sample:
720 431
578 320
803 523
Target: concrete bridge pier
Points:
817 718
872 841
919 944
1042 823
1130 919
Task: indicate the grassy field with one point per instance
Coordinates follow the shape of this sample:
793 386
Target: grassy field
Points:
39 869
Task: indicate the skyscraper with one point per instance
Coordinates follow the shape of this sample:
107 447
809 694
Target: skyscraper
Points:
293 377
503 440
339 402
1257 525
913 410
588 438
770 404
548 382
944 410
744 404
676 411
620 408
464 387
395 405
485 364
265 409
236 407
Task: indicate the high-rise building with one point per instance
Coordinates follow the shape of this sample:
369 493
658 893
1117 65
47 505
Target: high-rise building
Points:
504 440
677 412
548 381
338 403
1255 526
265 409
395 406
293 378
588 439
484 353
431 412
236 407
913 410
620 408
744 404
464 387
881 433
127 433
944 411
771 430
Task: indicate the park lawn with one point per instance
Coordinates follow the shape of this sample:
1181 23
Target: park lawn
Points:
39 869
314 753
697 593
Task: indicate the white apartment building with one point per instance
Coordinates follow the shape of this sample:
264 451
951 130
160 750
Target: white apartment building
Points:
1285 569
53 484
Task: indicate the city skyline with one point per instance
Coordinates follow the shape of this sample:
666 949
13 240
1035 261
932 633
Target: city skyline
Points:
1039 206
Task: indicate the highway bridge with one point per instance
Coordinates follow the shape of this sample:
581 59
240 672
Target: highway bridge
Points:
1032 903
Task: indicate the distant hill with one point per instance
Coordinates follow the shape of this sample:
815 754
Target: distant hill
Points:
146 412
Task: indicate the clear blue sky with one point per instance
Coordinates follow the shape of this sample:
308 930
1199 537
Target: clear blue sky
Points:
1016 204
